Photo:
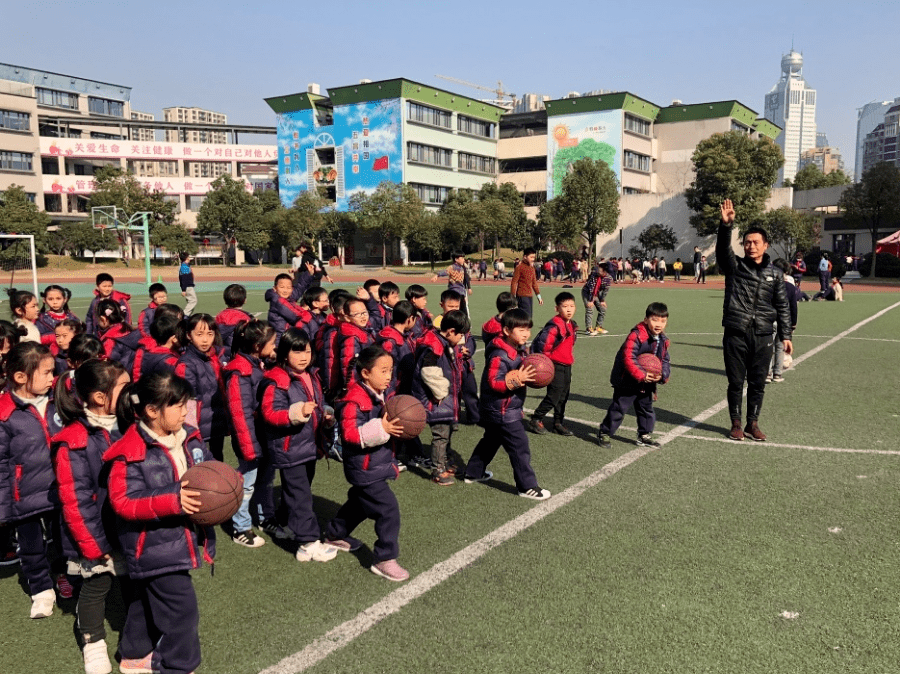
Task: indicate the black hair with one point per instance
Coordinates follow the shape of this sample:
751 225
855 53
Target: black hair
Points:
657 309
371 282
402 312
156 288
9 335
456 320
251 336
506 301
563 297
449 294
283 277
17 301
310 295
293 339
66 293
515 318
188 325
160 389
167 309
183 256
163 328
110 310
339 301
83 347
235 295
529 251
386 288
348 302
456 255
415 291
337 292
90 377
25 357
73 324
782 264
103 277
756 230
368 357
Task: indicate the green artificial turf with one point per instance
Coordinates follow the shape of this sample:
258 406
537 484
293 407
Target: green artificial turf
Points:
680 562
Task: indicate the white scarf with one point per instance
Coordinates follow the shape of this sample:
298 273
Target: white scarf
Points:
105 421
39 403
174 445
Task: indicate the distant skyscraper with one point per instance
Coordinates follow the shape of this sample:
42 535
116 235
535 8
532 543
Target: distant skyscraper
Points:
868 117
821 139
791 104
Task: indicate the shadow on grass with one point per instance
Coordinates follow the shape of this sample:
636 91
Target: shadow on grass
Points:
697 368
715 347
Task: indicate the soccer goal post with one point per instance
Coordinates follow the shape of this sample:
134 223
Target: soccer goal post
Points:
18 261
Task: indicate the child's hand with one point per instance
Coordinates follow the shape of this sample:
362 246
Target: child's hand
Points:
393 427
526 374
603 304
362 293
464 352
309 407
190 503
652 378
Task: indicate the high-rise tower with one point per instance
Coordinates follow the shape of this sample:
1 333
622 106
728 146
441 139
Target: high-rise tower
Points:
791 104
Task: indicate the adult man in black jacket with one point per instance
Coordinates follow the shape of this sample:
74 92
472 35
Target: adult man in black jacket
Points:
754 300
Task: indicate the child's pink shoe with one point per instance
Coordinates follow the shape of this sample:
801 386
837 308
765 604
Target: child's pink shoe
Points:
391 570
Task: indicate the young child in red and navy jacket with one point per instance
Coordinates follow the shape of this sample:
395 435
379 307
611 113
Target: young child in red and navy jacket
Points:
105 290
465 353
253 342
353 336
235 296
54 311
89 539
164 353
201 366
368 465
315 300
380 310
418 295
502 399
120 341
326 343
632 386
437 382
297 421
395 339
66 330
557 341
27 482
158 295
152 502
492 328
284 312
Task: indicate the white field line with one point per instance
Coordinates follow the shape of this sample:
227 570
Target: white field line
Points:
345 633
765 444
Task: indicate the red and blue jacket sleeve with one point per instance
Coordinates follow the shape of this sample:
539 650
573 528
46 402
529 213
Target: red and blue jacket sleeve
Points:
275 406
131 502
241 400
498 367
351 419
77 495
631 350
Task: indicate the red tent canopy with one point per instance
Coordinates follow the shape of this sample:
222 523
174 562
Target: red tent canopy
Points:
889 244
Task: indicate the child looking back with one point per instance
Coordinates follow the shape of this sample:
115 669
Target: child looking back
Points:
105 290
158 295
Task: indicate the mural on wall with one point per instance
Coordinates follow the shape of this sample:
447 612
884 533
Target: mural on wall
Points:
359 150
596 135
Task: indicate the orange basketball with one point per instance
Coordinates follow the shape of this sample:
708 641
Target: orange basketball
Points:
409 412
544 369
221 490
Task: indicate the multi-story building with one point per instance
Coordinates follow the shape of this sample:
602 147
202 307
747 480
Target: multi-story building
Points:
143 135
20 157
881 144
791 104
202 136
868 117
827 159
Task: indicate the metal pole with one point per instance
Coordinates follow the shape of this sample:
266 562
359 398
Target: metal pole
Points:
34 266
146 229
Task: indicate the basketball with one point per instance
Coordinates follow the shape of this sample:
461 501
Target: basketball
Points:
221 490
544 369
409 412
649 363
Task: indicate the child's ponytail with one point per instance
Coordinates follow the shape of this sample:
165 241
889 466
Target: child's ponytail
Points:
74 389
251 336
112 312
159 389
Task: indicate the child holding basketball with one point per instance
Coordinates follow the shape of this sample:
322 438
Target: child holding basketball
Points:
89 538
54 311
557 341
368 465
161 544
158 295
105 290
634 386
502 399
297 421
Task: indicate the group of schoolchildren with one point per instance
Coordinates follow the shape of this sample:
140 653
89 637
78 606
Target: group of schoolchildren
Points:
99 421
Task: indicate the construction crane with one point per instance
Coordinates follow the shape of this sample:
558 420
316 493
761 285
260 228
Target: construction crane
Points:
499 93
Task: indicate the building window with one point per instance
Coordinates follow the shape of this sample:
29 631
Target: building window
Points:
535 198
740 128
637 162
15 161
49 167
845 244
428 154
431 194
637 125
57 99
15 121
476 162
195 202
523 164
31 196
105 136
104 106
53 203
474 127
427 115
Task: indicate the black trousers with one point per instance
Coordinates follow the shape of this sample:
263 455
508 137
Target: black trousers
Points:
623 400
526 304
33 554
747 358
470 397
512 437
164 619
374 502
557 394
91 609
297 499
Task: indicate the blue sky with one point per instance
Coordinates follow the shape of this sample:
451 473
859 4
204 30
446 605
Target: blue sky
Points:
227 56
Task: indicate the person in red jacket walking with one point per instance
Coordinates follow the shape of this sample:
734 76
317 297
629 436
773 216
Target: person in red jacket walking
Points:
556 341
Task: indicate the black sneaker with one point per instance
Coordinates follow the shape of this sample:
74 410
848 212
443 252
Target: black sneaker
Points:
248 539
603 441
647 441
536 494
559 429
536 427
271 527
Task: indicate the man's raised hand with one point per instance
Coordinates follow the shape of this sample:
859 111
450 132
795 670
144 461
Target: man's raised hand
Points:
727 210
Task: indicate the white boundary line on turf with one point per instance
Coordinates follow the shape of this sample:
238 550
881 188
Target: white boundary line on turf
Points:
841 450
345 633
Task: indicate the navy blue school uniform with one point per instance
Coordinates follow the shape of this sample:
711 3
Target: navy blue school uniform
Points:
469 388
327 356
48 320
156 359
284 312
91 322
316 321
368 465
502 417
228 320
123 347
398 345
145 319
350 340
161 547
61 359
424 323
27 482
433 350
491 330
203 371
380 315
294 445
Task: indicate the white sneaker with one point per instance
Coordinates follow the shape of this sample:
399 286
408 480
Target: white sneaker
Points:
96 658
316 551
42 604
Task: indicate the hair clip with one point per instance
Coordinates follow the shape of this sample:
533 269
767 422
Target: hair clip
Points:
71 374
101 356
108 312
135 399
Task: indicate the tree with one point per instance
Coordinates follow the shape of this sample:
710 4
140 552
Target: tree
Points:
231 210
461 220
657 237
589 201
874 202
18 215
429 235
80 236
301 222
338 229
811 178
553 227
391 211
789 230
731 166
502 216
173 238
